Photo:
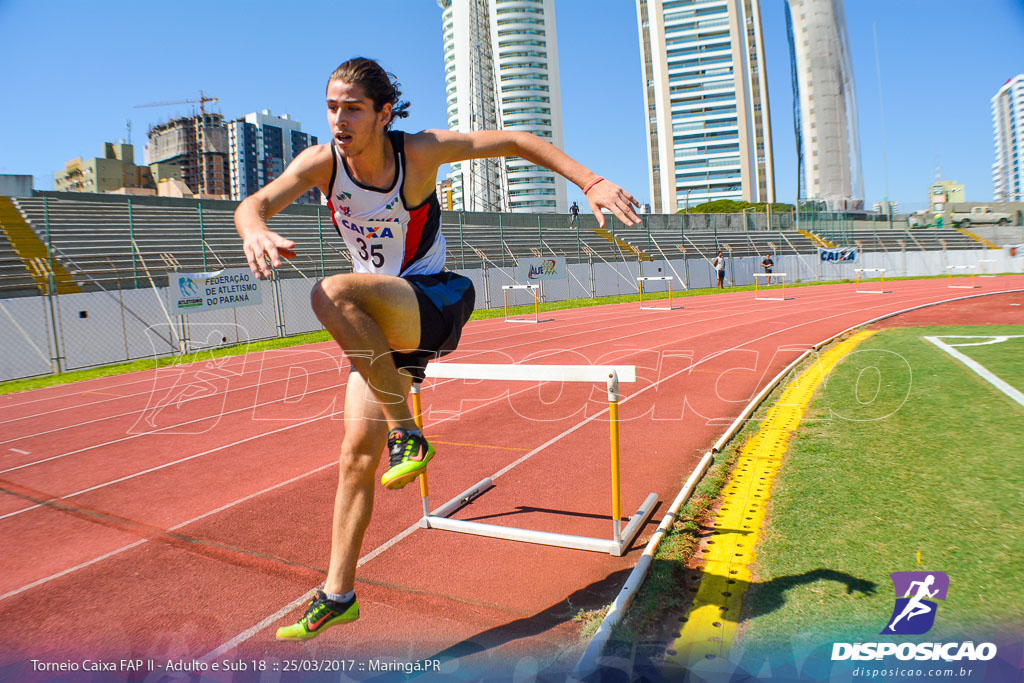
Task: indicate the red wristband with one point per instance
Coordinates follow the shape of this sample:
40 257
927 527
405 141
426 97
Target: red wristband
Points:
595 181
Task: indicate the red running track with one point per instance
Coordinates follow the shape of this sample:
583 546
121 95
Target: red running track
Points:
183 513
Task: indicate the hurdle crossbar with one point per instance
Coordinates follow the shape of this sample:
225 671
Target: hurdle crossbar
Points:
982 269
758 297
611 375
857 281
536 305
660 278
971 270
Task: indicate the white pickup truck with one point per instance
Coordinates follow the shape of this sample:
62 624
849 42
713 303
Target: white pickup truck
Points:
979 215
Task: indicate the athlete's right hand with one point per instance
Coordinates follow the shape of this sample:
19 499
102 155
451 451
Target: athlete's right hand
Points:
262 243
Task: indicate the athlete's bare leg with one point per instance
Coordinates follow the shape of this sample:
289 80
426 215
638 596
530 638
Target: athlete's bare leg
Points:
369 315
366 432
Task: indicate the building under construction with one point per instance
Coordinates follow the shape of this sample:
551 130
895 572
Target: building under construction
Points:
199 145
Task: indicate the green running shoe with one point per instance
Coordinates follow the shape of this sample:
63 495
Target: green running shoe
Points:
403 447
321 614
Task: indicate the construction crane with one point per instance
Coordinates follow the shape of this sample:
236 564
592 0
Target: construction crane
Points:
200 126
203 99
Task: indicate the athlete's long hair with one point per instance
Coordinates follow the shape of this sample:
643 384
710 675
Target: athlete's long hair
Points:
378 84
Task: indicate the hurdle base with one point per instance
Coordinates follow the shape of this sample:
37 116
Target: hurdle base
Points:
873 291
661 308
963 286
440 520
528 320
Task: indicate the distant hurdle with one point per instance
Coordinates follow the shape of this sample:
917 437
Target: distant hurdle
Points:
971 270
536 304
983 269
858 282
662 278
758 297
611 375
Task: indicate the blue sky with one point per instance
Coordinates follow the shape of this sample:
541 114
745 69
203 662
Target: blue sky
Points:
72 73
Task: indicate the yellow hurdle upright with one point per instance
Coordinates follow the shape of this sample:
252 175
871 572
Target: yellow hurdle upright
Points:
611 375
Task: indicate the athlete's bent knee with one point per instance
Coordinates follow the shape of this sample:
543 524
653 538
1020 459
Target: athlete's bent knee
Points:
329 297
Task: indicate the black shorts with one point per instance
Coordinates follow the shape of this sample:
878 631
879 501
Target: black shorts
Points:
446 301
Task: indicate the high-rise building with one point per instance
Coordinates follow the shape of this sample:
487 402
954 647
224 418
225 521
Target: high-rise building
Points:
1008 126
706 102
261 146
824 105
199 145
501 71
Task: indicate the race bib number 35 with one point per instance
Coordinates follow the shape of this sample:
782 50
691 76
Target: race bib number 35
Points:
376 246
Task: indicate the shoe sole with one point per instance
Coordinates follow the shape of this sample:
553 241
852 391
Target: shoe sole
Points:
401 480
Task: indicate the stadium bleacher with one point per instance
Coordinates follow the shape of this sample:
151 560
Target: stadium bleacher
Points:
93 240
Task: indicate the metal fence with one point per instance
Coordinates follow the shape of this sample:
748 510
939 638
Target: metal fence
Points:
104 299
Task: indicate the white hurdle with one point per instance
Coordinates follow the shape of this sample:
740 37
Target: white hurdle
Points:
983 269
611 375
536 305
972 270
857 280
660 278
758 297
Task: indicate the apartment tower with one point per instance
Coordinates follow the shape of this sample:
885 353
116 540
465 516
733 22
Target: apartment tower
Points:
261 145
1008 127
501 71
824 105
706 102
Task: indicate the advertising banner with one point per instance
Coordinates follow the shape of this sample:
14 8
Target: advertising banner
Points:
838 255
531 269
1014 250
196 292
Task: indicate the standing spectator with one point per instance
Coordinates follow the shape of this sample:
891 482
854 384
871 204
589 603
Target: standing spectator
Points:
574 216
719 265
768 265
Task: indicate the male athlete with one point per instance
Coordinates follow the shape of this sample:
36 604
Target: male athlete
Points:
399 308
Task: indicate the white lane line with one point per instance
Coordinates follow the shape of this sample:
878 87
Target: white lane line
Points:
165 465
18 450
725 313
981 370
135 544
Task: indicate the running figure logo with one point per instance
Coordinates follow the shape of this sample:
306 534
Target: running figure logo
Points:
916 593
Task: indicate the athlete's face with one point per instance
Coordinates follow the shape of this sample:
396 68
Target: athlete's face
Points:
354 123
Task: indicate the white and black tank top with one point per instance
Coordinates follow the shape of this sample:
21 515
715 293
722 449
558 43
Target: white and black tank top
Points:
382 232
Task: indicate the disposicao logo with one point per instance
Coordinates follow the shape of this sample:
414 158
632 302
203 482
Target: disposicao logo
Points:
913 614
915 608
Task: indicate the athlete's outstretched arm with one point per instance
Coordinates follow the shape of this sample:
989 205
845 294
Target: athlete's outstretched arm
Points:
437 147
305 172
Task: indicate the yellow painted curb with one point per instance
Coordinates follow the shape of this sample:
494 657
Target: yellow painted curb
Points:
709 628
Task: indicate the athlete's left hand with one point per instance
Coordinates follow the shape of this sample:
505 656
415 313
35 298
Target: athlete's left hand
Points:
608 195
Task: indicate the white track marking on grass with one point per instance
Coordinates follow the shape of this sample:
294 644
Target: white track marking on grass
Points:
980 369
135 544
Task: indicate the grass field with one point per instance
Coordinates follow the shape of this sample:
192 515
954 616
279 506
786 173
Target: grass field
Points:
904 451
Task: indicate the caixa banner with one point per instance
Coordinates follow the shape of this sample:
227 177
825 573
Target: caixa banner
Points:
531 269
196 292
838 255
